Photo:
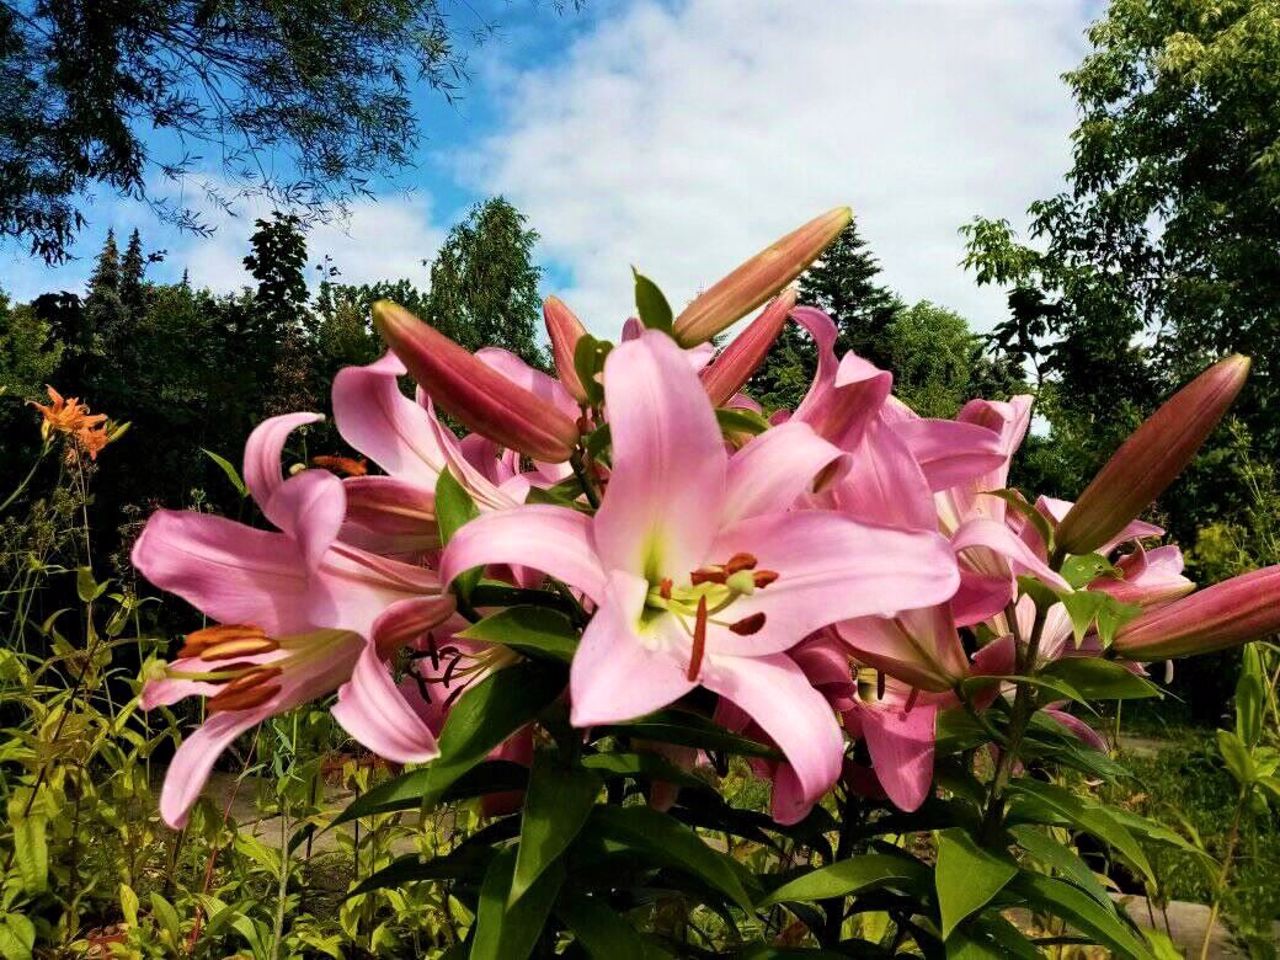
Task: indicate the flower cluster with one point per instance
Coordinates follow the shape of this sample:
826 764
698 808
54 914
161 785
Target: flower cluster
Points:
845 572
86 432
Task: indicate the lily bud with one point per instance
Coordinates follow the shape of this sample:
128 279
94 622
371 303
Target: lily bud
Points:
1151 458
564 330
479 396
737 362
1225 615
758 279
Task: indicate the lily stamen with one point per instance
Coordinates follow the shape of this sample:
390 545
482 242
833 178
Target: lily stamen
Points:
699 640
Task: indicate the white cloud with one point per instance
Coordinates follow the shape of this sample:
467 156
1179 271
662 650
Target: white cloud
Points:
682 138
382 239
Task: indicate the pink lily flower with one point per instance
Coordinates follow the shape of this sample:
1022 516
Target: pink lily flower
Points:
699 576
294 581
564 330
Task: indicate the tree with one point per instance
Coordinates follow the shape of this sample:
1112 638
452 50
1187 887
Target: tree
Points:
278 262
132 270
103 306
842 285
325 84
938 363
1165 251
484 283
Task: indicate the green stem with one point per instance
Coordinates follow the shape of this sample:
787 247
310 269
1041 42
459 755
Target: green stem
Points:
1224 874
1020 717
588 487
27 479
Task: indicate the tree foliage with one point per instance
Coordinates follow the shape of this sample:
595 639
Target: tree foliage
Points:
323 87
1165 250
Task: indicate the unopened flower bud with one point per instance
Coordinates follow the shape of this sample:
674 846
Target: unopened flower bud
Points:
1151 458
758 279
737 362
478 395
1225 615
564 330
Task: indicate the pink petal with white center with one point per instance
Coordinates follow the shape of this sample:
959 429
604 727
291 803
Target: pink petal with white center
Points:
667 485
353 587
263 472
371 709
229 572
830 568
901 744
626 667
775 693
555 540
376 418
775 468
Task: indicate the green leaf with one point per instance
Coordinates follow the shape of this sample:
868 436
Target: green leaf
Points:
1090 817
655 313
1099 679
17 937
1082 570
529 629
667 841
990 938
454 507
734 422
602 932
30 844
1251 696
506 930
588 362
87 588
850 876
689 730
166 916
229 469
1058 856
483 717
1236 756
641 766
1061 899
1100 610
469 861
557 804
967 877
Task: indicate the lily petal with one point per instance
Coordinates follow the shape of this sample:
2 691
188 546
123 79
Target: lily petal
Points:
192 763
830 569
263 474
669 464
901 744
776 694
623 669
775 468
371 709
555 540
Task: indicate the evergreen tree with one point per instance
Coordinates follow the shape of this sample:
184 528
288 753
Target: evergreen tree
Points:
484 283
842 285
103 307
278 263
132 268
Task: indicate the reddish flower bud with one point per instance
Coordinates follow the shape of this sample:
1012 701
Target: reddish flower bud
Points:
564 330
758 279
737 362
1225 615
478 395
1151 458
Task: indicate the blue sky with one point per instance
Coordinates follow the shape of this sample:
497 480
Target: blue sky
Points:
682 135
